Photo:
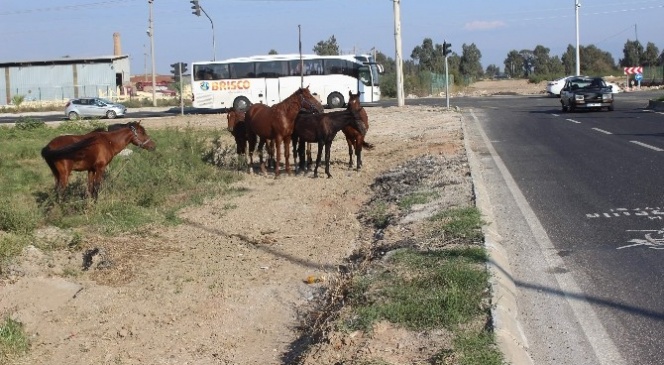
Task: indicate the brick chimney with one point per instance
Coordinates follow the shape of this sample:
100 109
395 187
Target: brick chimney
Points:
117 47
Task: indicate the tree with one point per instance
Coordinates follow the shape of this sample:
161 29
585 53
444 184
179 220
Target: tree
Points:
595 61
569 60
528 64
541 60
272 51
556 67
513 64
388 63
632 52
650 56
492 71
470 65
327 48
429 56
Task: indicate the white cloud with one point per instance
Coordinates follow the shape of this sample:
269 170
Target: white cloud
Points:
484 25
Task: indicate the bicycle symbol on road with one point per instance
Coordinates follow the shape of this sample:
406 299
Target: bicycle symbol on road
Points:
652 239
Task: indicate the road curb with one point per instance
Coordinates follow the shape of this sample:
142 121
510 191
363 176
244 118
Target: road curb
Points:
504 310
656 105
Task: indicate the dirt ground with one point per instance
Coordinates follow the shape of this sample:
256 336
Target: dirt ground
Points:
229 286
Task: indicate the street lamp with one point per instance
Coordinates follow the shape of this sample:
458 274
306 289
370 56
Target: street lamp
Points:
196 10
151 35
577 5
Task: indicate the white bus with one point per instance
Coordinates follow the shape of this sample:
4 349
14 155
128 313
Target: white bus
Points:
239 82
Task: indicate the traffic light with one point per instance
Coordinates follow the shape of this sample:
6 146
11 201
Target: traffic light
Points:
196 8
446 49
176 71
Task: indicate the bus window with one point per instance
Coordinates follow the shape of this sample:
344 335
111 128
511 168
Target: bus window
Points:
335 67
313 67
271 69
294 67
242 70
220 72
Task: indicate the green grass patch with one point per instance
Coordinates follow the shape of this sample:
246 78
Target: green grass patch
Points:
13 340
139 189
378 214
421 197
461 223
422 290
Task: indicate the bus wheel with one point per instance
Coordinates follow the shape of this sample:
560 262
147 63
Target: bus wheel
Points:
241 103
335 100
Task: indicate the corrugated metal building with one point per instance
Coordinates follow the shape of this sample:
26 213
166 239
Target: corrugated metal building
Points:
64 78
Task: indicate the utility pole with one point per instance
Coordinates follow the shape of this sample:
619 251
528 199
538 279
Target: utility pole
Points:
577 5
151 34
397 52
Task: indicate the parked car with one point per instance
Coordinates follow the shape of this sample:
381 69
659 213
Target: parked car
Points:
614 87
581 92
93 107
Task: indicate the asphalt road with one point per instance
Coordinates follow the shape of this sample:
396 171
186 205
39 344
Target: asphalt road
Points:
578 206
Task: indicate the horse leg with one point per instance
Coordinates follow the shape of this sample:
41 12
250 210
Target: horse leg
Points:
300 153
318 155
358 151
278 142
287 146
328 144
249 156
309 160
61 173
350 151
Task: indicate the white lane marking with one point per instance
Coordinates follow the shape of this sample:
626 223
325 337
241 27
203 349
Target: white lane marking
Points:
573 121
602 130
602 344
556 115
648 146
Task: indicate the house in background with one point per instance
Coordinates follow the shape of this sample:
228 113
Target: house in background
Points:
65 78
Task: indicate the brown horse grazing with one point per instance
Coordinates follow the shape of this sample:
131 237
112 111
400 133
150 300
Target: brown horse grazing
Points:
321 129
276 123
91 152
355 139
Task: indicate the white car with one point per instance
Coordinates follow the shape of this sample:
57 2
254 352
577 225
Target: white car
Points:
614 87
553 87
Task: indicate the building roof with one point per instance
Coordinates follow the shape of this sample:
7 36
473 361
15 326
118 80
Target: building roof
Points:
64 61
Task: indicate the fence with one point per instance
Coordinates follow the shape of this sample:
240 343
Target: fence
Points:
61 93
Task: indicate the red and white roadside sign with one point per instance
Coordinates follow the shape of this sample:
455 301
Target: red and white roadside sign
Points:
633 70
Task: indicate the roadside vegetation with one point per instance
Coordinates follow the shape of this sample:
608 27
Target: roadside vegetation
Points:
13 340
145 187
434 281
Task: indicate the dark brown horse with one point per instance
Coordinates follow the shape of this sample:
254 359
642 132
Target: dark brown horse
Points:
355 139
321 129
238 128
276 123
91 152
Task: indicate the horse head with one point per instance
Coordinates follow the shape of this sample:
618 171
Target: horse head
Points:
308 101
140 137
353 101
234 117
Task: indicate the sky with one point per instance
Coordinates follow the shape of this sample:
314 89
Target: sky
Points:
47 29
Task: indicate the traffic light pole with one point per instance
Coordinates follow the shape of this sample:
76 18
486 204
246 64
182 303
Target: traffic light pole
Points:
214 47
181 89
447 86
